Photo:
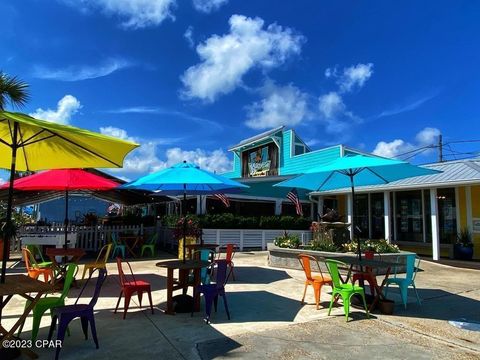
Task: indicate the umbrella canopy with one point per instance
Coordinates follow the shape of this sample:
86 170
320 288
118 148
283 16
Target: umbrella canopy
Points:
29 144
63 179
185 178
355 170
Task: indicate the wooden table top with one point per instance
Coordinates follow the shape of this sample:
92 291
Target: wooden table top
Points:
65 252
179 264
22 284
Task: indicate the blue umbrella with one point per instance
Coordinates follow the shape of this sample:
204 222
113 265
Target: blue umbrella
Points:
359 170
185 178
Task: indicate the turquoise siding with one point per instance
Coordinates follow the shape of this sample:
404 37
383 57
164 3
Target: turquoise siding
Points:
237 168
288 164
291 165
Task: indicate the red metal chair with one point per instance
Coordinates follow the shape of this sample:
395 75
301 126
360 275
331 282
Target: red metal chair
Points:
367 274
129 287
230 250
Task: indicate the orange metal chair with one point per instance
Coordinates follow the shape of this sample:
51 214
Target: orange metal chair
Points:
34 271
229 254
317 281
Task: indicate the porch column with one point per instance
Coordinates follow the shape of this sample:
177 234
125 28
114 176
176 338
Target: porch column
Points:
278 207
319 207
435 224
349 213
312 211
386 216
201 204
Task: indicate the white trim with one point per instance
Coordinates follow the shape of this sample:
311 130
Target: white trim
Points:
457 210
395 233
380 188
386 216
435 224
468 201
349 213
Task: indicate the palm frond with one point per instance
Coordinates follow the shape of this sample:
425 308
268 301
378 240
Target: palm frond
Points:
13 91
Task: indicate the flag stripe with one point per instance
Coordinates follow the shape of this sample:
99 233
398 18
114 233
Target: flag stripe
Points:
293 197
224 199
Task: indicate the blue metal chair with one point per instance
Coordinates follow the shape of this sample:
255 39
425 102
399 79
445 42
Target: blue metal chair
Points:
117 246
412 266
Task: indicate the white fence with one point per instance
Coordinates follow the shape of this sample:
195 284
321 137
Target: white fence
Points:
243 238
90 238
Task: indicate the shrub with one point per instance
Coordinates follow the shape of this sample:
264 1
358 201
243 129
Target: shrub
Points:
322 238
287 241
379 246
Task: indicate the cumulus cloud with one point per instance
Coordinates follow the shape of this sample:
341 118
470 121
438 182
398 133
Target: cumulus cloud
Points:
66 108
281 105
188 35
354 77
334 113
207 6
81 72
226 59
135 14
426 137
146 159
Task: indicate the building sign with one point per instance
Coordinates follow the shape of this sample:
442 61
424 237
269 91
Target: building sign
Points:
258 162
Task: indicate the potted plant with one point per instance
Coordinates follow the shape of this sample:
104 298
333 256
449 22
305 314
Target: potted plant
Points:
463 247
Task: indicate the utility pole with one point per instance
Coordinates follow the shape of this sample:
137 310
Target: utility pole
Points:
440 148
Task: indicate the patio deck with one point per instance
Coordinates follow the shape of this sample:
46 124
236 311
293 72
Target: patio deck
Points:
269 322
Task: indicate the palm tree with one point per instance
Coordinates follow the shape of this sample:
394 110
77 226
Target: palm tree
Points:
13 91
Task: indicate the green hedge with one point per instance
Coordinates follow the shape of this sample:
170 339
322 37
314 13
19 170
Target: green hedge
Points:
230 221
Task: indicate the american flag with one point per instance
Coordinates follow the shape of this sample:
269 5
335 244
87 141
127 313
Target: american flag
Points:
293 197
224 199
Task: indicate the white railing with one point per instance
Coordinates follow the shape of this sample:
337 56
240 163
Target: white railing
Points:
243 238
90 238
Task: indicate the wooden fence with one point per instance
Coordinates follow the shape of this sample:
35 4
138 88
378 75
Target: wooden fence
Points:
90 238
243 238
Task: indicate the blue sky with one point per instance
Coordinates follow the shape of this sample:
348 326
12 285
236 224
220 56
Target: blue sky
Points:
187 79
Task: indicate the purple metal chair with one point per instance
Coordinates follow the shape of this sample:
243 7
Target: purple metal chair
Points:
213 290
67 313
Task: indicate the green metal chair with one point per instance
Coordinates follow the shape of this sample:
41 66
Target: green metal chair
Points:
150 244
344 290
37 254
49 302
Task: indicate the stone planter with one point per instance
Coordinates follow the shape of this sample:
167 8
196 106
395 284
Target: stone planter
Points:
287 258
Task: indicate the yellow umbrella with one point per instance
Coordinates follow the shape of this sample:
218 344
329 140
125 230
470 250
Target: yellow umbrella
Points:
29 144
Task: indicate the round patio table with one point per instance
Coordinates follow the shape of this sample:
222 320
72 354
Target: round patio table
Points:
182 283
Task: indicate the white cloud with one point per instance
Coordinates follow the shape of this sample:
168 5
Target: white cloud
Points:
423 138
407 107
334 113
207 6
135 14
226 59
281 105
188 35
83 72
355 77
145 159
66 108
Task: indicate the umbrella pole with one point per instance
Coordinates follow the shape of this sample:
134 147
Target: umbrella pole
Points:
353 218
65 223
8 221
184 210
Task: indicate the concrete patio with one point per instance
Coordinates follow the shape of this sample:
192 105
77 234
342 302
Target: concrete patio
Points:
269 322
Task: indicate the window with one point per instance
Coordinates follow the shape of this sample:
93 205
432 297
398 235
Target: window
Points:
377 214
409 216
447 215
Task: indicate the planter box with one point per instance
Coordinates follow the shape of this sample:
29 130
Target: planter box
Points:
287 258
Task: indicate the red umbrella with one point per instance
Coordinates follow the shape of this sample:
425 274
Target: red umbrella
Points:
63 179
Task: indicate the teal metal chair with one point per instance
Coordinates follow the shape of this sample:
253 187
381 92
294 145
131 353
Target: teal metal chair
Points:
412 265
343 290
50 302
204 255
150 244
37 254
117 247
